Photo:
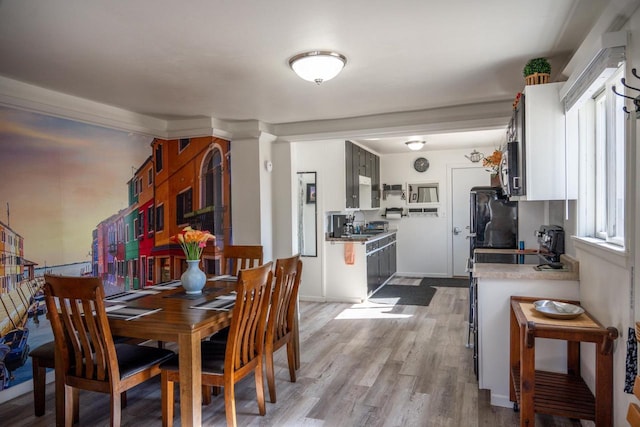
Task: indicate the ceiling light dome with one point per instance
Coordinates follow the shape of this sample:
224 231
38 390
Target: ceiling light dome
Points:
415 144
317 66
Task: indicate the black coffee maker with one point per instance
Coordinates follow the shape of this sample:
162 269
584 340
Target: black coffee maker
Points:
339 226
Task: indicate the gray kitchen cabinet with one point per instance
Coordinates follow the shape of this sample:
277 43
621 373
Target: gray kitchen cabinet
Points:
381 261
373 272
352 165
359 161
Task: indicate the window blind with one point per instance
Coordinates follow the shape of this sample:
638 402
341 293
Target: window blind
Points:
605 63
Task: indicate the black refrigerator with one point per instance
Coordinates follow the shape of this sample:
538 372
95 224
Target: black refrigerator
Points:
493 220
493 224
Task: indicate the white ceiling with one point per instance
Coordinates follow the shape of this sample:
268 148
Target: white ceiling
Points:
229 59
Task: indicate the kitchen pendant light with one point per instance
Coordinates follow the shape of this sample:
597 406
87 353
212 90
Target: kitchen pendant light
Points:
317 66
415 145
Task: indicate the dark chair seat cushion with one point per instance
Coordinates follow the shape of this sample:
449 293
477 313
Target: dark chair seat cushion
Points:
136 358
221 336
212 358
45 352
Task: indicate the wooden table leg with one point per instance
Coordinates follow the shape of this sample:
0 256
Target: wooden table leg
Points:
573 358
296 337
190 380
59 386
604 388
514 353
527 379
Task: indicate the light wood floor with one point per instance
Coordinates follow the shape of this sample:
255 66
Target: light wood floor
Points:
361 366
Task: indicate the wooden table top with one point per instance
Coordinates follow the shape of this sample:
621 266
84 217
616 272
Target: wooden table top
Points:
175 315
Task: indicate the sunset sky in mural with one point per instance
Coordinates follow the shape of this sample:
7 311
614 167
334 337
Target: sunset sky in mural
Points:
61 178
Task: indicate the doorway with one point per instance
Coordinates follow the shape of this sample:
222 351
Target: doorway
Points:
462 180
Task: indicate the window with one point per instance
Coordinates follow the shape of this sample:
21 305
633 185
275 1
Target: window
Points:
212 179
150 270
211 190
184 142
601 122
184 205
150 225
127 231
140 228
159 218
159 158
150 177
164 269
136 226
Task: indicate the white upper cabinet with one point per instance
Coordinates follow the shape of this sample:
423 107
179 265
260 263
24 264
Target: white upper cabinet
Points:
548 158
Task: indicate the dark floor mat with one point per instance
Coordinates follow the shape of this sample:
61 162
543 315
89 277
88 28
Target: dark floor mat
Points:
415 295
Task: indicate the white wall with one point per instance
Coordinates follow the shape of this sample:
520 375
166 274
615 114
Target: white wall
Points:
423 242
245 191
326 158
606 287
266 197
284 233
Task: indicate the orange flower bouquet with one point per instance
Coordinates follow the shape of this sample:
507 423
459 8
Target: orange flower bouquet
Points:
492 162
192 242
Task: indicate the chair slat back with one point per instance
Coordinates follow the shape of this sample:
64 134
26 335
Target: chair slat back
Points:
285 296
80 327
248 322
240 257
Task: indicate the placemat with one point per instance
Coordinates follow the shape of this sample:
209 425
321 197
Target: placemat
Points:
582 321
185 295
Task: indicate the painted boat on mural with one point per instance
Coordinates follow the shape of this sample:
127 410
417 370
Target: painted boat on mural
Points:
19 349
4 372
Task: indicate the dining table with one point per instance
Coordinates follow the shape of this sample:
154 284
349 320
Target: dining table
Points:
175 316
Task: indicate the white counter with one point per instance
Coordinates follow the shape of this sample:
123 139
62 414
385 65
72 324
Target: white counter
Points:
496 283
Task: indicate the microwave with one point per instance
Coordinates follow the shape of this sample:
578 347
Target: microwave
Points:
512 168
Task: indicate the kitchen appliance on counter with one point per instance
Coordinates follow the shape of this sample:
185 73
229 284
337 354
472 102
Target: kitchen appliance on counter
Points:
377 227
339 225
551 241
550 247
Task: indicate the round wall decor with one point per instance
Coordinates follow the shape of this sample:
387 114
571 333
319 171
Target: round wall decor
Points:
421 164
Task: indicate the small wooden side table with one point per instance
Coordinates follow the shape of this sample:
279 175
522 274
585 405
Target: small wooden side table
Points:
564 395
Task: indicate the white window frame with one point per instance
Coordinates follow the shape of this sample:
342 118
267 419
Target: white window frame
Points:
602 134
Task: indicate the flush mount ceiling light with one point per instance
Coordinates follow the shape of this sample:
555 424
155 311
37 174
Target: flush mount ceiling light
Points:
318 65
415 145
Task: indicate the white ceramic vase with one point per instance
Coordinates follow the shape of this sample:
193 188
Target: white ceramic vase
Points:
193 279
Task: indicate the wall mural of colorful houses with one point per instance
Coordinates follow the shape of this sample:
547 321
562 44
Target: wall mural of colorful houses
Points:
83 199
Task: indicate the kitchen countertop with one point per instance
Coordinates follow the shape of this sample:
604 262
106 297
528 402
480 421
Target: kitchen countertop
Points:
360 237
525 271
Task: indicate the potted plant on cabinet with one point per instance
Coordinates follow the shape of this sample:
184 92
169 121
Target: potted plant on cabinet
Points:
537 71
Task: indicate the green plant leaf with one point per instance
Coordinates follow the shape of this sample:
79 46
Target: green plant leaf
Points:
536 65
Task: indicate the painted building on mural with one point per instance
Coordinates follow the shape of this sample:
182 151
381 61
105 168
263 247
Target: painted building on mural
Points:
140 225
184 182
11 258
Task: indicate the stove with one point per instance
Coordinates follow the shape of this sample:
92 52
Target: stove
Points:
550 247
533 259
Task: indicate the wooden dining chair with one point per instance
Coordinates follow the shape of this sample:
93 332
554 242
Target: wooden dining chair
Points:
633 411
42 357
239 257
225 364
282 318
89 359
